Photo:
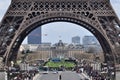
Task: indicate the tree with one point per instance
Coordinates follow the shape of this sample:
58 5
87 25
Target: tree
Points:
91 50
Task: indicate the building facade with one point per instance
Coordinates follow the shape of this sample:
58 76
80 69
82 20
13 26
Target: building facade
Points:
35 36
91 44
60 50
89 40
76 40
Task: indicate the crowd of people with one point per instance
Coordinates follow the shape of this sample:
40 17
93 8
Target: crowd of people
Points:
93 74
24 75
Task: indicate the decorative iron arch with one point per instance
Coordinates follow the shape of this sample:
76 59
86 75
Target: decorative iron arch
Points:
30 25
23 16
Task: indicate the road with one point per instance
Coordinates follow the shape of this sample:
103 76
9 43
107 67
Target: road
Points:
70 76
49 76
118 76
3 76
67 75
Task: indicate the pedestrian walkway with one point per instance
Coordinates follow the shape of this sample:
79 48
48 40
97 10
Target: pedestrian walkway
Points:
3 76
118 76
81 76
84 76
36 76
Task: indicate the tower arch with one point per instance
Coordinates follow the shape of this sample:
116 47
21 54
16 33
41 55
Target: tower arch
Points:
23 16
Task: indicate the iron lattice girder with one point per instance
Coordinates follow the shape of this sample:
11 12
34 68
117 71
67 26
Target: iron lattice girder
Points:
23 16
23 13
101 7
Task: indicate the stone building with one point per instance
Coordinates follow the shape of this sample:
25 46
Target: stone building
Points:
61 50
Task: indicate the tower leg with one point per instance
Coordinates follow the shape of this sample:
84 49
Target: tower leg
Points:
3 69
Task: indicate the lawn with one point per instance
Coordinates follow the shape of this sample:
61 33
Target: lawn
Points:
59 64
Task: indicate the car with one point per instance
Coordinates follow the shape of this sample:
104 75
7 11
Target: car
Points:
44 72
55 72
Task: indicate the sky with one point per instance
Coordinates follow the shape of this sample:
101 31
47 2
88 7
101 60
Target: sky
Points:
53 32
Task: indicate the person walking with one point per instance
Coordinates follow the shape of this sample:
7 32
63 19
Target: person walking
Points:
60 77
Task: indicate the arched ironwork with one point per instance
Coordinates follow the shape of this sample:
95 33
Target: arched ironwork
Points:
23 16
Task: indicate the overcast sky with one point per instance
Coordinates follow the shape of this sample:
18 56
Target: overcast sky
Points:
53 32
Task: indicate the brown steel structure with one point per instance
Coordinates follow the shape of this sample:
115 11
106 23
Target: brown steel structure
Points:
23 16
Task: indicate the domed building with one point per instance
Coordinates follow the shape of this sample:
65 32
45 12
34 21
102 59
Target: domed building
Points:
59 50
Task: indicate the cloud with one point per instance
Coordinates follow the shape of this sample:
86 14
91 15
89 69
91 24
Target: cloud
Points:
4 4
116 6
3 7
114 1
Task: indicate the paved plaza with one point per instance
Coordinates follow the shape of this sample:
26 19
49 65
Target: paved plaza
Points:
118 76
67 75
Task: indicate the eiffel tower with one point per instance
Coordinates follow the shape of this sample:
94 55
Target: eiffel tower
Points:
23 16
